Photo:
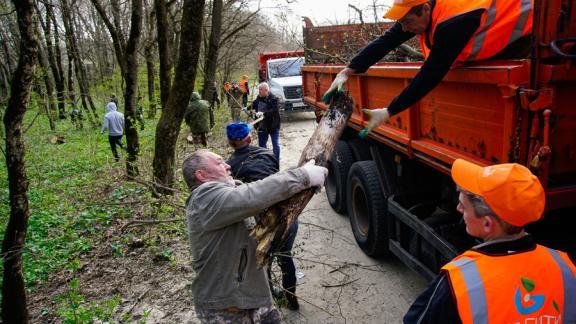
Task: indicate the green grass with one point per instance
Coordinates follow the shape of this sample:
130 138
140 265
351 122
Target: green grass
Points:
64 181
75 189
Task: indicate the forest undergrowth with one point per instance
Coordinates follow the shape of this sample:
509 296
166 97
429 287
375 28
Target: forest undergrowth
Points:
81 202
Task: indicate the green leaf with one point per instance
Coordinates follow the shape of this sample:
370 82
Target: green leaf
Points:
556 306
528 284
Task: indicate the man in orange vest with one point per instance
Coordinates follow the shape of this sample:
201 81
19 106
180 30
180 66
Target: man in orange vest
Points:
245 87
508 278
451 32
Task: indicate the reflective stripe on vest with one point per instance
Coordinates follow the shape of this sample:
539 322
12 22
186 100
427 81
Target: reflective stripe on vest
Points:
475 288
569 280
502 23
478 38
516 288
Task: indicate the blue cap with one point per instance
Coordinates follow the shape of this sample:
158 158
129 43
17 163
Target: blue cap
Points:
238 131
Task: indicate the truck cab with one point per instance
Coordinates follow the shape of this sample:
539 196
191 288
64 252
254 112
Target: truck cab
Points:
285 81
282 72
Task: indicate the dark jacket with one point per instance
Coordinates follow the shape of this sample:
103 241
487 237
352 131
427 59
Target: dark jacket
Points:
437 304
252 163
450 38
270 107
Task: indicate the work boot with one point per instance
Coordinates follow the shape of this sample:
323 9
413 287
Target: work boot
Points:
292 300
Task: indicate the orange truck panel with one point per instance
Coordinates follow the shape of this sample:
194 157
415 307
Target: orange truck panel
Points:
475 113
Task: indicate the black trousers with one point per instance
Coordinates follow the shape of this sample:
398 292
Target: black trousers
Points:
115 140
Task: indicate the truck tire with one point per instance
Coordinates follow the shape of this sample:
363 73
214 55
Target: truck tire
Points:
367 208
338 167
360 149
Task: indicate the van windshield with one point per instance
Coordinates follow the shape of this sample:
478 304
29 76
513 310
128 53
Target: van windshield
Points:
285 68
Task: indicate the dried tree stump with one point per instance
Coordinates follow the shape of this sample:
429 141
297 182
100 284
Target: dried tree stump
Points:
275 224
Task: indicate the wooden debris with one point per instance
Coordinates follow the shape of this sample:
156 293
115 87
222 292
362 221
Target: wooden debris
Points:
274 225
57 139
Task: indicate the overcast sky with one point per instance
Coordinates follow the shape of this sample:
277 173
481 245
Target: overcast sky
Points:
323 12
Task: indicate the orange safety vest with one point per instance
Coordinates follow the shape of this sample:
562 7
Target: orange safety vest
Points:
538 286
243 84
502 23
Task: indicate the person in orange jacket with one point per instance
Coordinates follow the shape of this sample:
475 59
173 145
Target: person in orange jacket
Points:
245 87
508 278
451 32
227 86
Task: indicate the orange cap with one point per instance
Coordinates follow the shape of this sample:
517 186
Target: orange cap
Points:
401 7
510 189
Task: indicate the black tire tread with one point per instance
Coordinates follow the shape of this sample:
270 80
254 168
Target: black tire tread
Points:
377 242
341 161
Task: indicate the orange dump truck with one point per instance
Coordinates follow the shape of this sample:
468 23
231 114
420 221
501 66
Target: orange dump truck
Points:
395 185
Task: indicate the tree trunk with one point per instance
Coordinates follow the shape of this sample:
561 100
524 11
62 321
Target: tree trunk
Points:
60 84
72 94
57 74
149 52
130 97
49 102
211 58
164 50
81 75
14 308
168 126
127 57
117 38
103 49
276 222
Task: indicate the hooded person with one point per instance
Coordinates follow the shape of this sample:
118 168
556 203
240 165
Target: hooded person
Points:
197 117
114 122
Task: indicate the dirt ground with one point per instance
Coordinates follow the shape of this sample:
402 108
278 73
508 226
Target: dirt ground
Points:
337 284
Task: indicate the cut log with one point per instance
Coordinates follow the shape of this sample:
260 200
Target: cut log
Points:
275 224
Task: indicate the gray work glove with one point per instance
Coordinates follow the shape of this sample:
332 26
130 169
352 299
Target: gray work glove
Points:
375 117
337 84
316 174
259 114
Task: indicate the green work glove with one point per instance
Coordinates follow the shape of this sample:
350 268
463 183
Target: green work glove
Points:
337 84
375 118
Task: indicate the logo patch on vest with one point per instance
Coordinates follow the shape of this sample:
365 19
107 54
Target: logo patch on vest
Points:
527 303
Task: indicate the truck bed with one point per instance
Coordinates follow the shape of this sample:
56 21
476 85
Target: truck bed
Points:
476 113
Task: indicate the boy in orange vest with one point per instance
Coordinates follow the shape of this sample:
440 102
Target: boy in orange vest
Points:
508 278
451 32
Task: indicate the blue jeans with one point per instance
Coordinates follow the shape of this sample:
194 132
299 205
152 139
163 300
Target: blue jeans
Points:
263 140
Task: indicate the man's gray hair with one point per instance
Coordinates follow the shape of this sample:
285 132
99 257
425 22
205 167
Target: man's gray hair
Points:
191 164
482 209
479 204
264 85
